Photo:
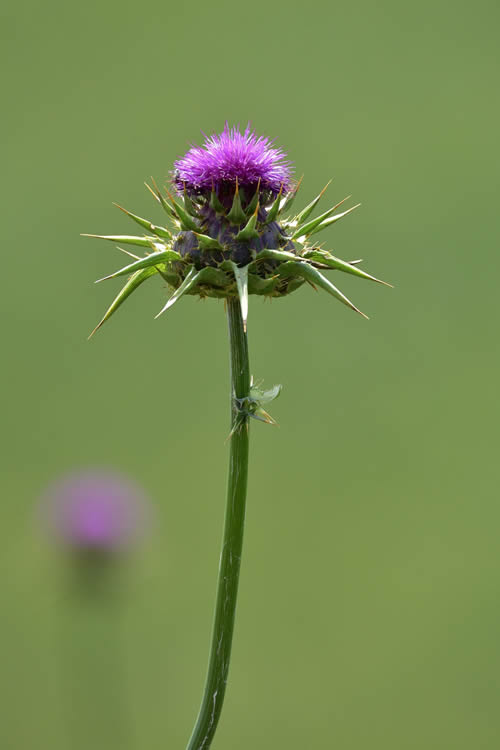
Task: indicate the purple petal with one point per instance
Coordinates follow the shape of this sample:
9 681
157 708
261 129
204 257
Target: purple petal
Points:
230 156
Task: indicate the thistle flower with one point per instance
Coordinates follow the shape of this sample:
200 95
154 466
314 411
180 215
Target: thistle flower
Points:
95 511
96 516
230 235
233 156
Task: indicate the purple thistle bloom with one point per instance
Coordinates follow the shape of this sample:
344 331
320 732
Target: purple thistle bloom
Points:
232 156
100 511
232 234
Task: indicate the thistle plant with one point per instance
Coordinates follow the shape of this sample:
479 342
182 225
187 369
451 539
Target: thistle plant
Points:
94 519
231 233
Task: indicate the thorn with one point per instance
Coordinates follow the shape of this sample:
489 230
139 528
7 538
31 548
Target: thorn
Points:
324 189
170 196
127 252
152 192
95 329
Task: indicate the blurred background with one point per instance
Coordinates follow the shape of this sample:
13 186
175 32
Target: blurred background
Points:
369 610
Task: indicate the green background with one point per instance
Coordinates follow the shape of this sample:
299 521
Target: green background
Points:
369 614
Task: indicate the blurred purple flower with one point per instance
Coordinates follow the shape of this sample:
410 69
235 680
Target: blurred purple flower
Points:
95 510
230 156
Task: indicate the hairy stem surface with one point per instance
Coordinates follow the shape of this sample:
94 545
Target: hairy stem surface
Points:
229 567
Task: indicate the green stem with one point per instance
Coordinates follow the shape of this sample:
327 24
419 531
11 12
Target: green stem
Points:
229 567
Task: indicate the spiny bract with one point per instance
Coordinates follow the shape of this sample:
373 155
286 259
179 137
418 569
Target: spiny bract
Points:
229 232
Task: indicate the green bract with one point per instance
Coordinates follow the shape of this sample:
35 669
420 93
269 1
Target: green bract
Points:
226 243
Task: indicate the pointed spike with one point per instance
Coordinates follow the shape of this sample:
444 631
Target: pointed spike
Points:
307 211
254 202
307 229
249 232
161 200
208 243
307 272
262 415
154 259
190 207
333 219
213 277
135 280
329 260
281 255
189 281
127 252
236 215
187 222
287 201
215 203
275 208
159 231
127 239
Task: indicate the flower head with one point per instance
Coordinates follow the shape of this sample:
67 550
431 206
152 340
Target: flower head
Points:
230 235
95 511
233 156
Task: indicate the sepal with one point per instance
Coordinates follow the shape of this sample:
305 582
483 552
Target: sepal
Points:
186 221
269 254
213 277
275 209
323 221
189 281
154 259
215 203
249 231
314 277
208 243
287 201
126 238
236 215
159 231
135 280
307 211
327 259
254 202
189 205
161 200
